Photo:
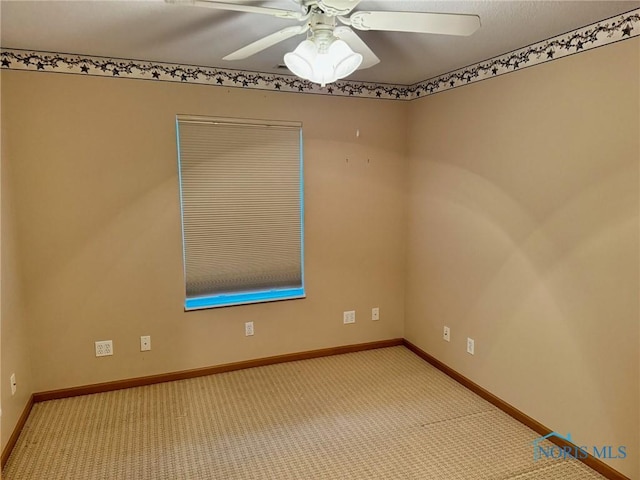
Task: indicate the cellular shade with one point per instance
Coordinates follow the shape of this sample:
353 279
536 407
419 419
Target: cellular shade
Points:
241 197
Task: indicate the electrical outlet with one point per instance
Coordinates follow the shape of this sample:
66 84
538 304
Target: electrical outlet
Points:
349 317
375 313
14 385
104 348
248 329
470 346
145 343
446 334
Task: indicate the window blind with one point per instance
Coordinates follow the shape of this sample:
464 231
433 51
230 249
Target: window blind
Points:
242 215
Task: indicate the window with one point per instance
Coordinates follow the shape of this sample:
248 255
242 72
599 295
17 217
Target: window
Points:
241 194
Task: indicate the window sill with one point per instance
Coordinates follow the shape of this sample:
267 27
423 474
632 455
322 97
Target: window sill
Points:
244 298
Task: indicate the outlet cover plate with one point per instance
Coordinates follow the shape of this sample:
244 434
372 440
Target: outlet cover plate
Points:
349 317
248 329
375 313
104 348
145 343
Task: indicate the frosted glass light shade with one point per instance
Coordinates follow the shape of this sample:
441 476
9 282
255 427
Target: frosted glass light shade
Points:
300 61
337 62
346 60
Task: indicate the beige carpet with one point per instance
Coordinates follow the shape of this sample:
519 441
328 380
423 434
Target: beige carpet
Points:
380 414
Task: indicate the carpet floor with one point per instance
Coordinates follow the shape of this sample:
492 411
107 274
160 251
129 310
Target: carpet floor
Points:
378 414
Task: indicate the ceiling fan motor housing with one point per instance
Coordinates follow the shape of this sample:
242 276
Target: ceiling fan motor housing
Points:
322 27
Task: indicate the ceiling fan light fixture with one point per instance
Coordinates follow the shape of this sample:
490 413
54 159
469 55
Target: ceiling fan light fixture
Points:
327 55
322 65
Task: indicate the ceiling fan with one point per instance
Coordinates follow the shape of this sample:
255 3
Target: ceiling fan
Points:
332 50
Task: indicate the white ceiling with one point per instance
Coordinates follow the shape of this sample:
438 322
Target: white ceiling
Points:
155 31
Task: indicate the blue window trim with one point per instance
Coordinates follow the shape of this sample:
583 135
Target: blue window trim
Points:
184 249
301 212
243 298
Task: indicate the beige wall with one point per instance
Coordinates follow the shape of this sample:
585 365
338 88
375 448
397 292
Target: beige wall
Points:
94 174
523 234
14 349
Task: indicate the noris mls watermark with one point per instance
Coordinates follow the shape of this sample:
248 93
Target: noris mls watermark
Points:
542 449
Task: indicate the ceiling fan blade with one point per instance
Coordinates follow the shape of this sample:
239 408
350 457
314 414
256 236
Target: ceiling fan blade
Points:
267 42
338 7
417 22
274 12
369 59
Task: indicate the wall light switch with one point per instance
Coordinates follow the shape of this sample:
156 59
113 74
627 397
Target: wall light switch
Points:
471 346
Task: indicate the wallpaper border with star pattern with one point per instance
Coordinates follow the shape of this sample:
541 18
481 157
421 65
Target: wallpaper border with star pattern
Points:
604 32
